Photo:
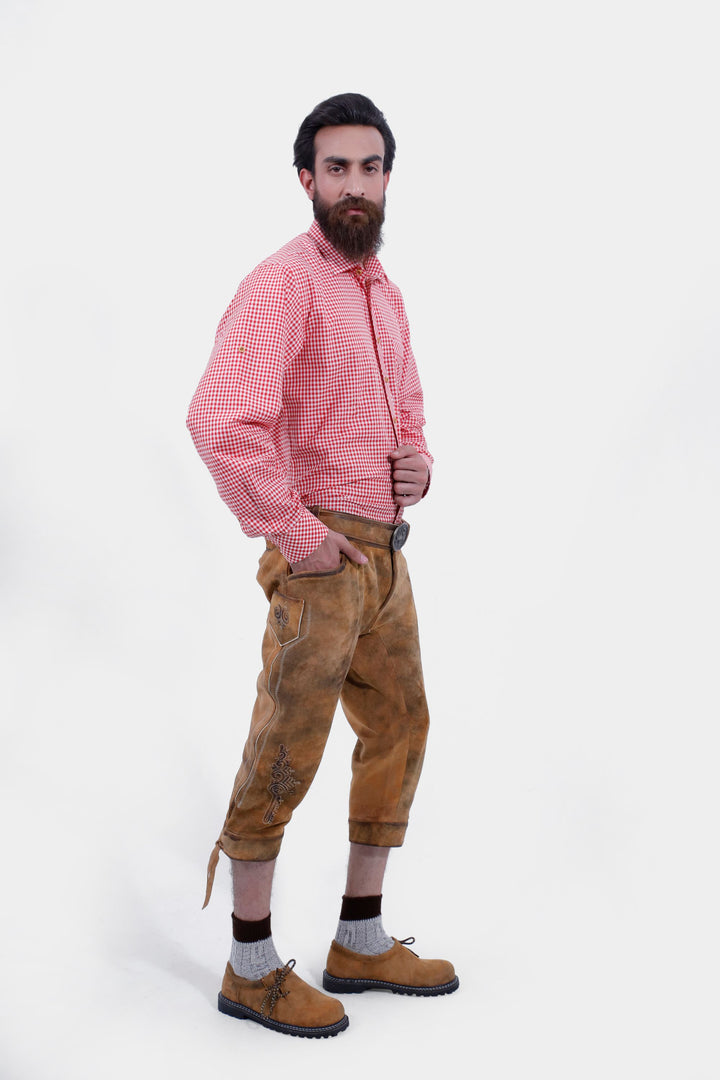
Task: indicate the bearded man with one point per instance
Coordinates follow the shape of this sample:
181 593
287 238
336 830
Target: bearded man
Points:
309 417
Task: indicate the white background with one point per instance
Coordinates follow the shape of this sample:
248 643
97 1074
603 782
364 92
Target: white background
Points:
553 222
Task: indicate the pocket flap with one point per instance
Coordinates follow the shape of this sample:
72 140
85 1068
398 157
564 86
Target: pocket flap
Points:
285 616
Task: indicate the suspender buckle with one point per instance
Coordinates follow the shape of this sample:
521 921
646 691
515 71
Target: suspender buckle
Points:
399 536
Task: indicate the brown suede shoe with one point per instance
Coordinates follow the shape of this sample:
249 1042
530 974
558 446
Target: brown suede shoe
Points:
282 1001
399 970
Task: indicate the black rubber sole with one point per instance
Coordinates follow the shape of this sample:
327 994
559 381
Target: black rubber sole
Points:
242 1012
357 986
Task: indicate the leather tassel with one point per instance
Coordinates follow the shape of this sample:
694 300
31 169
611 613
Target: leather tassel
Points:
212 866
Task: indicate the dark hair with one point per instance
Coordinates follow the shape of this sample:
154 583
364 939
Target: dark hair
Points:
341 109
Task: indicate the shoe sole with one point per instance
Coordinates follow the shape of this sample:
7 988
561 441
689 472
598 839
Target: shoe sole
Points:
242 1012
356 986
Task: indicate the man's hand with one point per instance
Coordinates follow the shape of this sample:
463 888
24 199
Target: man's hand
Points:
327 556
410 474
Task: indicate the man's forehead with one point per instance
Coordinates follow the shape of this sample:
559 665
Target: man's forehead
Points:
349 141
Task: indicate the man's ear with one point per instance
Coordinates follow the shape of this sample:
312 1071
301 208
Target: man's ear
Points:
386 181
308 182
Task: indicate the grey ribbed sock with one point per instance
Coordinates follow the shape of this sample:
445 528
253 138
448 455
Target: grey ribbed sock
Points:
364 936
254 959
253 953
360 928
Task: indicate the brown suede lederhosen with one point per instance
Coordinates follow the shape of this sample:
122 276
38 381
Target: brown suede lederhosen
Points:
351 634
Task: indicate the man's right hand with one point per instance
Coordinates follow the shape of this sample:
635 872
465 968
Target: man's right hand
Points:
327 557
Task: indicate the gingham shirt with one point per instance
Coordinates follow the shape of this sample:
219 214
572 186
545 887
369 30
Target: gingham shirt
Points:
311 383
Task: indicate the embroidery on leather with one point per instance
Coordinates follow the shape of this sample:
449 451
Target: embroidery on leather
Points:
283 783
282 615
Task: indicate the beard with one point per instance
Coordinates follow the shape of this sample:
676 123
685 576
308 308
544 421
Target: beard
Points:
356 235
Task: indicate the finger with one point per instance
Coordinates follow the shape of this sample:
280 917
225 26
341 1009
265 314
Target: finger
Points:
351 551
411 475
414 463
402 452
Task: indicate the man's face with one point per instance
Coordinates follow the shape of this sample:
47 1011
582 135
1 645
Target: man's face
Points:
347 187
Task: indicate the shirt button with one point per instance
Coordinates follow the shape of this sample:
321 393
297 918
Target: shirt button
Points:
241 349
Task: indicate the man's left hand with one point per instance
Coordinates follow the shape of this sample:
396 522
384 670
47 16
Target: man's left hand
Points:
410 475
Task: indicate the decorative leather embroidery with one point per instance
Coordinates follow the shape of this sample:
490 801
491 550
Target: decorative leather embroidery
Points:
285 617
281 615
283 783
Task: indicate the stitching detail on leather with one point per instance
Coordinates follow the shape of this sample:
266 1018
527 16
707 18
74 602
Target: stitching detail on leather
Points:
283 783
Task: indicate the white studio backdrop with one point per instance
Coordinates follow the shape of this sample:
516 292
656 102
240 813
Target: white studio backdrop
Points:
553 223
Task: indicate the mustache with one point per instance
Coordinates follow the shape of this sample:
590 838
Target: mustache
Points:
371 210
355 202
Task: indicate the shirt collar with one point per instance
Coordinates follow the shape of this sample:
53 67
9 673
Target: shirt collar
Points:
372 267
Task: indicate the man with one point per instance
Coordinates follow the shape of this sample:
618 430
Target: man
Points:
309 417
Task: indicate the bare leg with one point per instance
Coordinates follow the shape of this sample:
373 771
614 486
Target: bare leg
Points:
366 870
360 928
252 885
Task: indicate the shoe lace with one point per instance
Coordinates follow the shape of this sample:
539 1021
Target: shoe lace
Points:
275 991
409 941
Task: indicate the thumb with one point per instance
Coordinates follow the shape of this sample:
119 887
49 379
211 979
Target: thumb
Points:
352 552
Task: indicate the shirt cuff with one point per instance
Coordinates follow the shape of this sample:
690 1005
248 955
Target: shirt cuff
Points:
306 536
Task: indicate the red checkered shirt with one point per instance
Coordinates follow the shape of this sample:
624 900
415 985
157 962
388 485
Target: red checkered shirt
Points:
310 384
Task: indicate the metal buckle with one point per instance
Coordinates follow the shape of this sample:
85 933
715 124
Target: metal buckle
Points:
399 536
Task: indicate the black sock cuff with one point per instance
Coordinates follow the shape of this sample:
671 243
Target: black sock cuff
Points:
248 930
360 907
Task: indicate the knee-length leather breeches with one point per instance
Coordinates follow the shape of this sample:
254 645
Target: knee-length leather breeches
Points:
348 634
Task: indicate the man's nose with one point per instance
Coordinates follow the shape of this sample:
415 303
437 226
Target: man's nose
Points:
355 184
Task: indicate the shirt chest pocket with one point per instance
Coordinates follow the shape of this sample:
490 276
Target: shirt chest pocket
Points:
336 372
350 359
332 385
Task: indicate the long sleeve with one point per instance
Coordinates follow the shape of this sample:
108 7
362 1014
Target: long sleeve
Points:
234 416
